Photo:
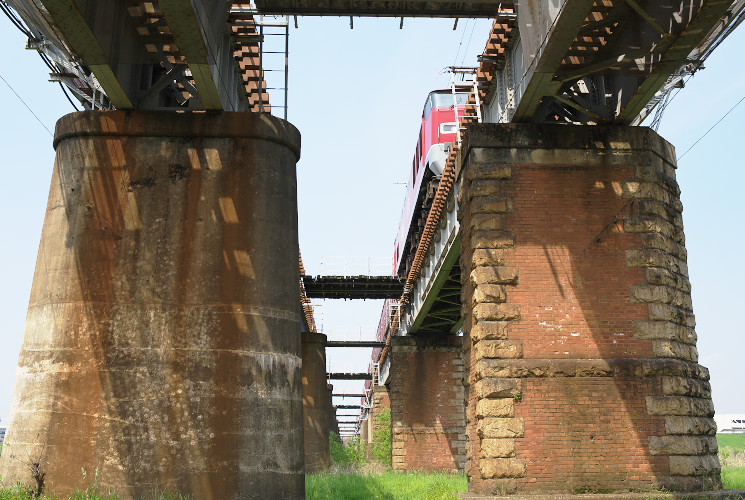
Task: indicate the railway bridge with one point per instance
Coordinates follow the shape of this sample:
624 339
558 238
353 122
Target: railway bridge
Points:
546 306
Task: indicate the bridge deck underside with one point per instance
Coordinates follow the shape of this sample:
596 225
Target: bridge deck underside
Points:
605 60
429 8
444 315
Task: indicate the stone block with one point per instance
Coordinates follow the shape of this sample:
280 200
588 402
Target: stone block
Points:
478 170
694 465
657 208
497 349
489 205
497 388
496 312
491 239
665 244
492 468
491 222
682 445
666 312
683 386
488 257
665 277
690 425
651 257
485 187
651 224
639 190
662 174
494 275
497 448
503 407
489 330
672 349
495 294
664 330
494 368
661 295
490 427
680 405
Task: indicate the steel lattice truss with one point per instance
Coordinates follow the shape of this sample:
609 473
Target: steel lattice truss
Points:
578 61
163 54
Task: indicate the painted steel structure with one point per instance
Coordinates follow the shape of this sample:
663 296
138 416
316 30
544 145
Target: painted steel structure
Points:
429 8
584 61
166 54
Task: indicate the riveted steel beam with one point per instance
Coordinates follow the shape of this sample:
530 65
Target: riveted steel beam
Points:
190 34
377 8
73 26
542 84
674 57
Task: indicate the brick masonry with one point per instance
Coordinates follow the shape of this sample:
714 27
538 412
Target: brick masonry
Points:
580 347
381 402
426 391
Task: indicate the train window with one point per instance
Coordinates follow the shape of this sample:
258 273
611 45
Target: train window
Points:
448 128
445 100
427 107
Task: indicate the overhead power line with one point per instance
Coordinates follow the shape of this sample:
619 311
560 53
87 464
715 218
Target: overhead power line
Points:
712 128
27 107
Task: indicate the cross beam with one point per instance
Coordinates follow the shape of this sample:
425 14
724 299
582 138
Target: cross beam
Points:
429 8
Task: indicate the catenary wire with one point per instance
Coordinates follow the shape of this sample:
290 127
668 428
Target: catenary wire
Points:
27 107
460 44
468 45
712 127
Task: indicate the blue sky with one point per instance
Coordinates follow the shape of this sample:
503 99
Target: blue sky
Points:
356 96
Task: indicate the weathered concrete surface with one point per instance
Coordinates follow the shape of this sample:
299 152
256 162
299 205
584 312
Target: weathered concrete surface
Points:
162 347
333 423
315 403
580 344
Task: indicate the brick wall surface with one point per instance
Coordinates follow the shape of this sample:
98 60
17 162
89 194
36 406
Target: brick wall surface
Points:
427 414
580 350
381 402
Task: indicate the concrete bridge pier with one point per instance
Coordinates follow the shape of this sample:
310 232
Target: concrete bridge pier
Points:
581 359
426 400
162 347
316 403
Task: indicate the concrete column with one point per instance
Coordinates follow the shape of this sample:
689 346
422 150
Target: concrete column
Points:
581 350
162 351
333 423
427 403
315 403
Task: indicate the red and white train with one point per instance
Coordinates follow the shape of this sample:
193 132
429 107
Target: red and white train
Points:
440 117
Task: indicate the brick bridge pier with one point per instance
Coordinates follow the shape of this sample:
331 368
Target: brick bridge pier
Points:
578 368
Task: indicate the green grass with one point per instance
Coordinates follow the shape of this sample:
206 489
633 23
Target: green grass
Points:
387 485
424 486
733 478
19 493
732 457
736 441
